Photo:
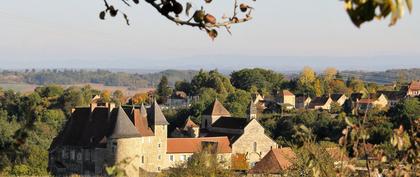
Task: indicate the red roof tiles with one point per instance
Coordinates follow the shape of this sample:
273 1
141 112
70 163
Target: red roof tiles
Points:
193 145
274 162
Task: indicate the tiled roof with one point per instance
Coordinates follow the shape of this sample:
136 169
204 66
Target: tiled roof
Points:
193 145
156 116
141 123
366 101
286 93
231 123
414 85
216 109
318 101
276 161
189 123
124 128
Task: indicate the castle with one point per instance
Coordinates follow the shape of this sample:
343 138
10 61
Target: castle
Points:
103 135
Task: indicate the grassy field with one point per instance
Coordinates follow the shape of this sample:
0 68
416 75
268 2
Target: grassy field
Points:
27 88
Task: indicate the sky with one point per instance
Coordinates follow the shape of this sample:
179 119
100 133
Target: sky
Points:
284 35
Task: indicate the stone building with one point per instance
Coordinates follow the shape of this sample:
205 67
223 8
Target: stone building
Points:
287 99
321 103
246 135
413 88
132 138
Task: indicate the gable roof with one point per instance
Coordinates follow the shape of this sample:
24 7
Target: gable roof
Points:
189 123
336 96
231 136
286 93
231 123
216 109
319 101
414 85
141 123
124 128
193 145
274 162
392 95
356 96
156 116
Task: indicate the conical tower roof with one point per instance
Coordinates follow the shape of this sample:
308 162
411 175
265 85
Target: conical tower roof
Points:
216 109
156 115
124 128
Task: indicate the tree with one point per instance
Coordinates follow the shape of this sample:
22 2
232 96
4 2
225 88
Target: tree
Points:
238 103
163 90
261 80
358 11
118 97
106 96
306 81
318 88
184 86
330 73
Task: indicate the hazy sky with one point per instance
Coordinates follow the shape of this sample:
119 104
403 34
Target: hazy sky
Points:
68 33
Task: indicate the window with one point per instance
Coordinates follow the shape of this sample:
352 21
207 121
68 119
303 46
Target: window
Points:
63 154
158 145
79 156
183 157
171 157
87 155
255 146
159 157
142 159
72 155
158 168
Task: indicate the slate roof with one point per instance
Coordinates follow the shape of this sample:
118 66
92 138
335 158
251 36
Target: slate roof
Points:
318 101
231 123
156 116
124 127
193 145
356 96
231 136
276 161
92 128
336 96
216 109
392 95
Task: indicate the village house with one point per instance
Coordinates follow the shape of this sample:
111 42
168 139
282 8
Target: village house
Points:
338 98
373 100
180 99
286 99
393 97
413 89
275 162
259 101
302 101
321 103
246 135
351 104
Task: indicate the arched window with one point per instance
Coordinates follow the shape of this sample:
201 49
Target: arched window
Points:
255 146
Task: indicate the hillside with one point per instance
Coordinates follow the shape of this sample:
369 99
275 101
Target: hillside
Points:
387 76
105 77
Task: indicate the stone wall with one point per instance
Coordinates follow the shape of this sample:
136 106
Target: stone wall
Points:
254 142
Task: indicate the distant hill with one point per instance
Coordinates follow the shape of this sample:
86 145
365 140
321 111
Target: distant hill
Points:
383 77
105 77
